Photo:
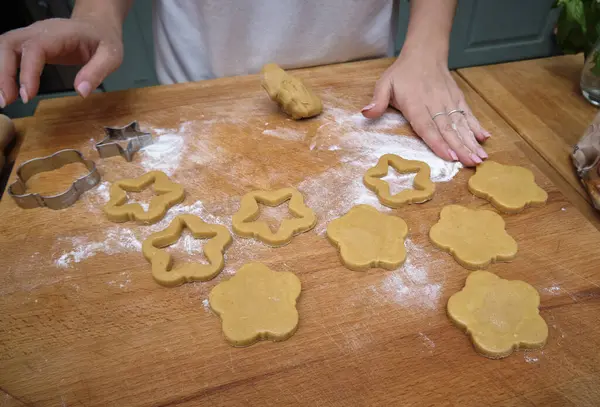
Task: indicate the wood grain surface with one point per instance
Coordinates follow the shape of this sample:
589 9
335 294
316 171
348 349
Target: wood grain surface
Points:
541 99
97 330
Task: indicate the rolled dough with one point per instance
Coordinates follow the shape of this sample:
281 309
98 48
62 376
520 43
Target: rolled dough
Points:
368 238
257 304
499 315
475 238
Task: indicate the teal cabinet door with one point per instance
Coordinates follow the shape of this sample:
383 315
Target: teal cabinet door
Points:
492 31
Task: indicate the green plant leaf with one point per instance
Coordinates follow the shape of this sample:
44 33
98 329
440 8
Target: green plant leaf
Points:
574 9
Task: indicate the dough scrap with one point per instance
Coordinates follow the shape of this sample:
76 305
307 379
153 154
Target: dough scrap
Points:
257 304
290 93
244 221
161 261
509 188
475 238
499 315
368 238
423 187
167 193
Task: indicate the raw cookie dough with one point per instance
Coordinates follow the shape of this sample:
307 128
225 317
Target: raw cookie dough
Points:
422 190
244 222
475 238
290 93
508 188
161 260
167 193
368 238
499 315
257 304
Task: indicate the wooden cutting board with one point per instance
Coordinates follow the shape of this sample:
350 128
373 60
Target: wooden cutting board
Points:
82 323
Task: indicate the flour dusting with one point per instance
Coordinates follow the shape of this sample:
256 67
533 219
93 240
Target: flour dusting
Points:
164 154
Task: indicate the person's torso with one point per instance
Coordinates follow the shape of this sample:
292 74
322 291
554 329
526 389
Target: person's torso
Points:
201 39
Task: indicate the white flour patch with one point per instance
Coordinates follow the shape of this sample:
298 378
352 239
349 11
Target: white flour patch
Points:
531 359
206 306
554 290
388 121
164 154
426 340
115 240
399 182
285 134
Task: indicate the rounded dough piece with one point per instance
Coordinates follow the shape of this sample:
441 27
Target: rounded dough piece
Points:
476 238
367 238
509 188
499 315
257 304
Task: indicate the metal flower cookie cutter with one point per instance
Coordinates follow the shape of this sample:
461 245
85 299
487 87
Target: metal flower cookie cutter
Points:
18 189
123 141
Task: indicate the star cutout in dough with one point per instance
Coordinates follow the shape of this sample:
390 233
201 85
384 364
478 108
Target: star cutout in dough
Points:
245 221
423 188
368 238
161 260
475 238
509 188
499 315
167 193
257 304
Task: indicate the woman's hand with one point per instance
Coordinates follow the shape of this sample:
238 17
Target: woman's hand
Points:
421 87
92 40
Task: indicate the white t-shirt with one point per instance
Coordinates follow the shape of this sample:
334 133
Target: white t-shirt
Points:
202 39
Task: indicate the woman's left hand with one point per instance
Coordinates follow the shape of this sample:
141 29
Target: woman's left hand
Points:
421 87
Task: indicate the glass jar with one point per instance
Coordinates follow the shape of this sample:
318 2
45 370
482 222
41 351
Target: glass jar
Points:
590 76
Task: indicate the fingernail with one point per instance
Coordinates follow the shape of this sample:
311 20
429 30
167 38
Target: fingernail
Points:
23 94
482 153
476 158
368 107
84 89
487 134
2 100
453 155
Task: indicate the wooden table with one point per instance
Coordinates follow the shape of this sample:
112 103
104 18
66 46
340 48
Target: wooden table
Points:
542 101
95 330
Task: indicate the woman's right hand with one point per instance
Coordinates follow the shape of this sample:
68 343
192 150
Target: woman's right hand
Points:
89 42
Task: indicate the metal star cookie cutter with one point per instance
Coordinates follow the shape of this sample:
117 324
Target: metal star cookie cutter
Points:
18 189
123 141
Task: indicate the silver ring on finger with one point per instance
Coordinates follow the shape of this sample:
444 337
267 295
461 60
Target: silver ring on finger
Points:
437 114
456 111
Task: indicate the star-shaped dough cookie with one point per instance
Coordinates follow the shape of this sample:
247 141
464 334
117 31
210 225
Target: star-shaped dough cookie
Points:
423 188
244 222
509 188
257 304
475 238
499 315
368 238
167 193
161 260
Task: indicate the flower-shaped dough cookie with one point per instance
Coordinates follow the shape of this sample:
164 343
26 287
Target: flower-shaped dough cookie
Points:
167 193
499 315
423 188
257 304
244 222
475 238
161 260
368 238
509 188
